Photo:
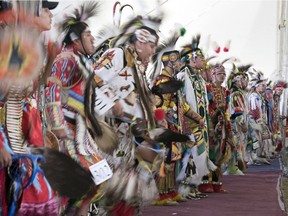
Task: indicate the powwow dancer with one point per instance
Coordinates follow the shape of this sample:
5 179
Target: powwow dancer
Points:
123 69
65 99
165 88
250 136
20 117
194 93
257 113
221 136
238 117
278 88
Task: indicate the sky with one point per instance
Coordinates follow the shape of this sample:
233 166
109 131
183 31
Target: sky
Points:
251 26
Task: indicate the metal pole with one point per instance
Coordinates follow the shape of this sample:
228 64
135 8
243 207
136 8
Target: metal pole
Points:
282 59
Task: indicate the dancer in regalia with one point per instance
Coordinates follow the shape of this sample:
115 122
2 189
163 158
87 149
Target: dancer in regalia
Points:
19 112
221 136
138 157
238 115
258 114
195 94
166 88
65 97
277 117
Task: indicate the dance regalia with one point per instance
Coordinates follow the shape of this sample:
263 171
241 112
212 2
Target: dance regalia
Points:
218 98
3 202
23 128
38 199
65 108
132 184
276 122
238 116
277 116
276 113
170 105
270 112
257 111
194 93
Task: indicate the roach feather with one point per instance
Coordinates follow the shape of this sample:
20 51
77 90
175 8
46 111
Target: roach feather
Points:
244 68
87 10
127 30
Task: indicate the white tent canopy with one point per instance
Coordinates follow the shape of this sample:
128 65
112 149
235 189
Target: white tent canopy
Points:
252 26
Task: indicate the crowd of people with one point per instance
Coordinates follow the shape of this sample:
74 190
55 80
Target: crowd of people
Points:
161 136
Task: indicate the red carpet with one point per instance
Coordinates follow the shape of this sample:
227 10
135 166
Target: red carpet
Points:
254 194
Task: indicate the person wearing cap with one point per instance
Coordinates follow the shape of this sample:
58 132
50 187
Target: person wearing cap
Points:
19 103
194 91
220 127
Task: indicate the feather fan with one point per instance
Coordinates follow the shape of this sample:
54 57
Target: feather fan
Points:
168 87
64 174
166 135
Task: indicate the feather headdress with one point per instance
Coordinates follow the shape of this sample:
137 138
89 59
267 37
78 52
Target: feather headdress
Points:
279 84
207 64
218 67
105 36
277 80
191 50
269 85
244 69
165 49
234 76
192 47
257 77
73 25
152 23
